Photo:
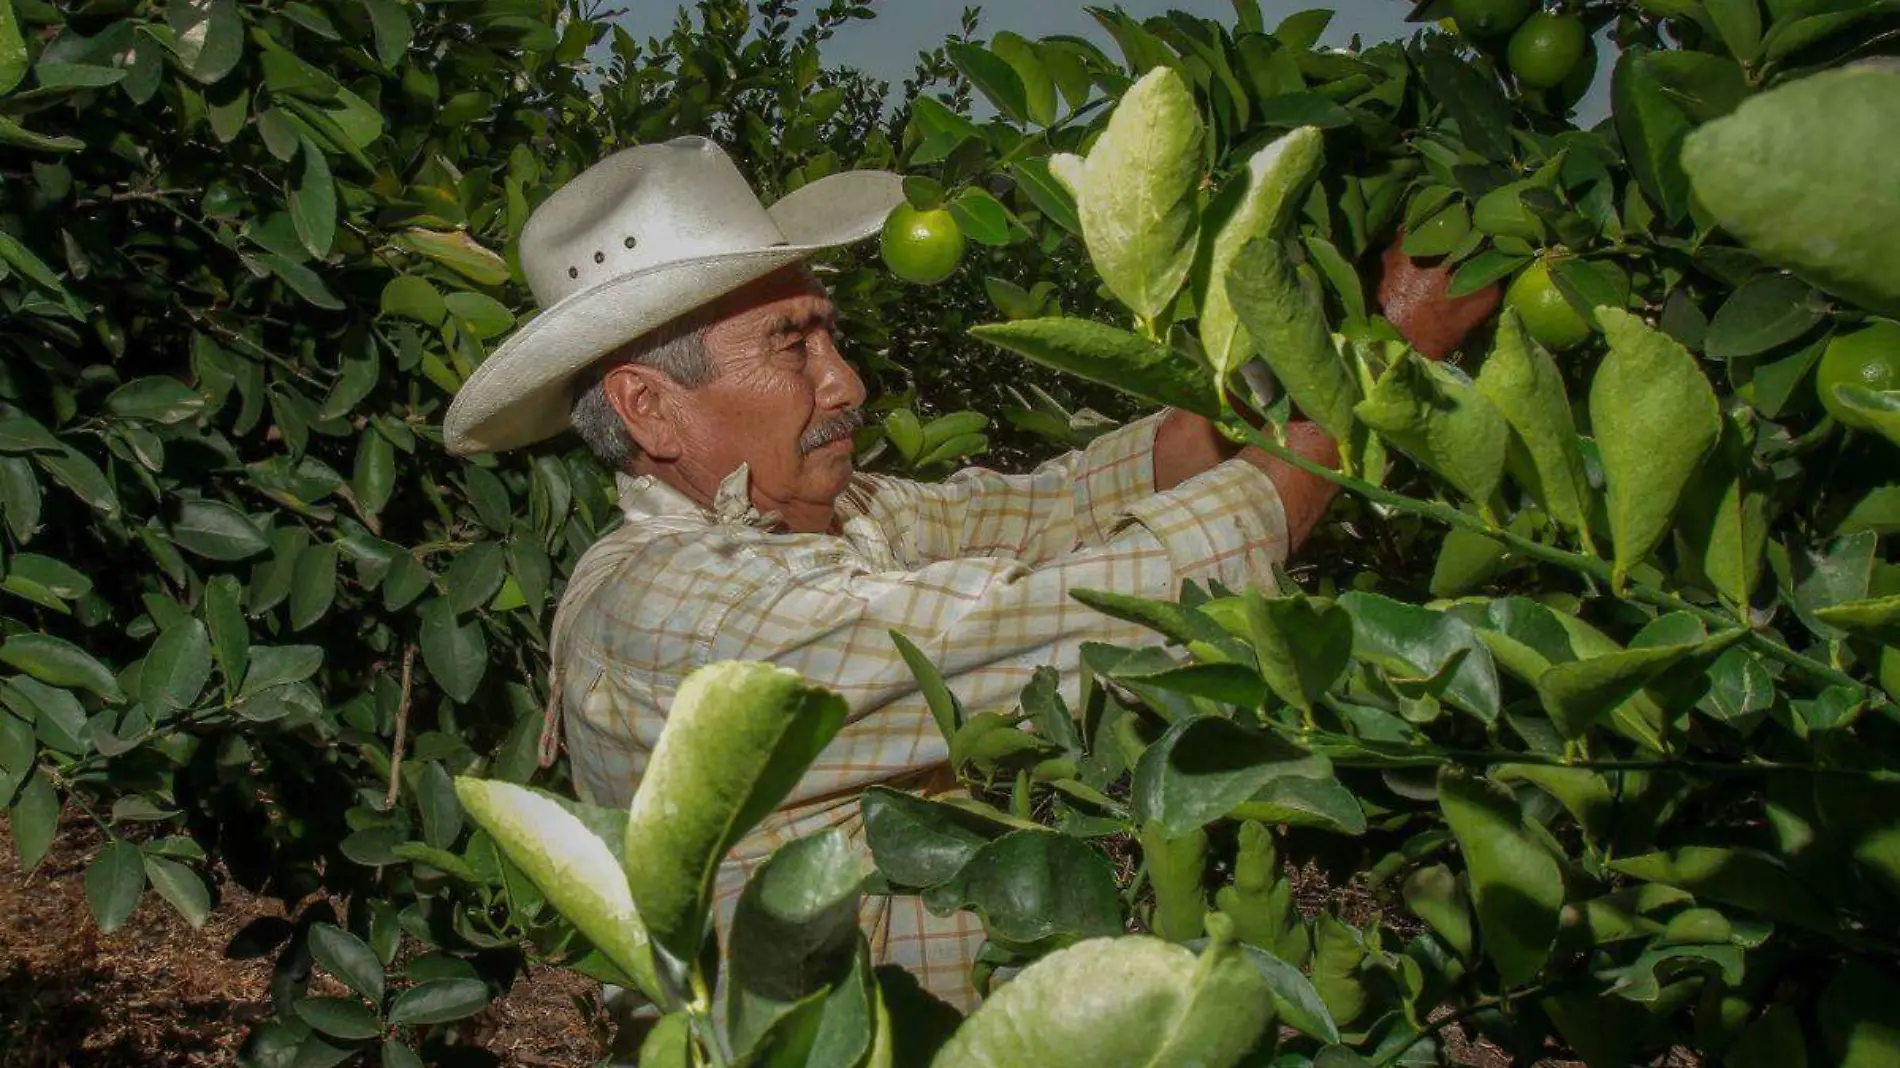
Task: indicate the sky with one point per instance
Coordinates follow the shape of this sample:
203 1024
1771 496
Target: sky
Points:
887 46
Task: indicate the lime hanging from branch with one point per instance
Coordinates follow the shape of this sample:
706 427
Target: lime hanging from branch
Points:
923 247
1489 19
1546 48
1548 317
1869 358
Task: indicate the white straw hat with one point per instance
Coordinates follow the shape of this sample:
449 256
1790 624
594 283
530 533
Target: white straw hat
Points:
640 238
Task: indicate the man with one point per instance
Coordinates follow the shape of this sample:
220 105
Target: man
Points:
685 341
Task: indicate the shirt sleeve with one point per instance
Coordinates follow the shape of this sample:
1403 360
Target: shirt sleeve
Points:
987 623
1073 501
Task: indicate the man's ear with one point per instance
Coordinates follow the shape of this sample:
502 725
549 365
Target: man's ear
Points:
638 393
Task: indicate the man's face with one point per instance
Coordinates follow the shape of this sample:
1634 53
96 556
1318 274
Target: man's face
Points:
782 400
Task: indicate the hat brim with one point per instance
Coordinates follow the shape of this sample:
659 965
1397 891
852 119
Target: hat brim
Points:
522 393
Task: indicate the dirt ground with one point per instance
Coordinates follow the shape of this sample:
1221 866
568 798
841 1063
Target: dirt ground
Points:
158 994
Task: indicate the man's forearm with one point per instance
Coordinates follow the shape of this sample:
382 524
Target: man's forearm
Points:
1187 444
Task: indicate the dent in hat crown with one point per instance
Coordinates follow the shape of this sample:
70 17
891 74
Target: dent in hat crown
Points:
640 208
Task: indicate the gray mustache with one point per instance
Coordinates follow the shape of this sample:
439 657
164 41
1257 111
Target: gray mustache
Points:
841 427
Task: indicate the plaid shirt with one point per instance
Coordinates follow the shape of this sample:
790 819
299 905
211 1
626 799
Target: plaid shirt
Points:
976 571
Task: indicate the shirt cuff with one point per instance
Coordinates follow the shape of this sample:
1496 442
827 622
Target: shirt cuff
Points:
1117 470
1225 524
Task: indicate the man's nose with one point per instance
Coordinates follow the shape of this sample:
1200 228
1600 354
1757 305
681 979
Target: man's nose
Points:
838 384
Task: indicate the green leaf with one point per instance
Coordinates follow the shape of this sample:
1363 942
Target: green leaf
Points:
737 739
58 662
1271 189
1039 88
1580 693
1135 193
1439 419
484 316
1466 562
75 471
344 1018
180 886
1434 895
1837 572
981 217
208 37
1765 312
348 958
992 76
455 654
1471 97
1527 387
1284 315
159 398
1178 622
23 433
396 1054
438 1001
1877 618
1149 1003
313 589
1295 801
45 580
34 820
1047 194
389 22
1773 1041
1031 885
374 476
945 709
1740 878
413 297
1749 170
177 667
475 576
1517 885
1415 643
1652 128
1739 24
1655 419
114 881
1303 646
435 800
313 202
1204 767
794 933
216 531
571 865
1298 1003
1103 354
279 665
13 58
918 843
457 251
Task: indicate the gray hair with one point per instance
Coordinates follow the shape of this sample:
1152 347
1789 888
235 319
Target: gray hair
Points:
677 348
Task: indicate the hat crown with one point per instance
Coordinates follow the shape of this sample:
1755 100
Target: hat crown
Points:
640 208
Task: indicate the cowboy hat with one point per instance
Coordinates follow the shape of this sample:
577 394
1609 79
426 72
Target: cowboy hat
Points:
640 238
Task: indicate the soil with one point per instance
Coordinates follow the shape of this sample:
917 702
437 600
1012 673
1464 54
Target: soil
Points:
158 994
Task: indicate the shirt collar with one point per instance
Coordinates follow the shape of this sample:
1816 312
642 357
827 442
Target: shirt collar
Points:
644 497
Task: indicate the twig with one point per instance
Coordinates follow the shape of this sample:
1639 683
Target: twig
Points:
402 726
1591 566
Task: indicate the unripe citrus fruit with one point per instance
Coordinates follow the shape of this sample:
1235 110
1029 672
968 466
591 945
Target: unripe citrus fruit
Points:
1868 357
921 246
1548 317
1545 49
1485 19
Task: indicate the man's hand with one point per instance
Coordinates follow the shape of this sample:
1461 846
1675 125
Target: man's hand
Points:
1187 444
1412 295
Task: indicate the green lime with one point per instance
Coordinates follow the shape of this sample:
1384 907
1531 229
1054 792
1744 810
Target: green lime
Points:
1545 49
1868 357
921 246
1548 317
1485 19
